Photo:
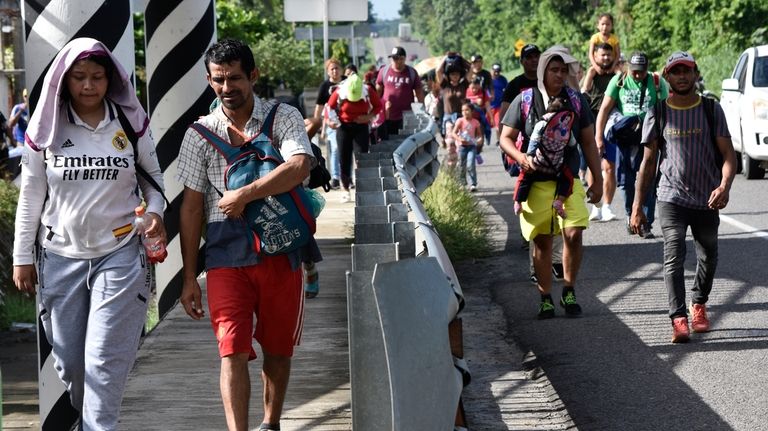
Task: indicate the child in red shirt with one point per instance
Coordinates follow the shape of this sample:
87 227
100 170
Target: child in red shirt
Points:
481 104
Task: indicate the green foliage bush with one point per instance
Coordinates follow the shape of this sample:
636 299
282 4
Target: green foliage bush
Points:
457 217
9 196
13 307
714 31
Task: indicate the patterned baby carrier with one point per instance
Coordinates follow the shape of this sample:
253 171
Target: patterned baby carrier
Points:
553 140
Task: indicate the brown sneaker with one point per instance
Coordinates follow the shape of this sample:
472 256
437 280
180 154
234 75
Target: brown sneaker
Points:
680 333
700 322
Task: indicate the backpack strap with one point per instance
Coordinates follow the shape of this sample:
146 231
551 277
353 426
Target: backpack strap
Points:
575 98
269 121
657 84
643 89
134 139
220 144
660 110
223 146
412 74
709 114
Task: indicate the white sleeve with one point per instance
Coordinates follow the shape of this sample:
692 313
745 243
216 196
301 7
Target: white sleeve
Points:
147 158
34 184
289 131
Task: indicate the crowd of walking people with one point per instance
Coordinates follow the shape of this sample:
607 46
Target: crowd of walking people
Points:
572 136
566 133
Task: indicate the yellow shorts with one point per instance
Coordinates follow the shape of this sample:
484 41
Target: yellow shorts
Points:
538 216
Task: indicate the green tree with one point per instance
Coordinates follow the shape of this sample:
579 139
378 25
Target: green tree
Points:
451 18
286 62
340 51
249 23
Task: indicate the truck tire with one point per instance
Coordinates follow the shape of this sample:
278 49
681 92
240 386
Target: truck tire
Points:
751 167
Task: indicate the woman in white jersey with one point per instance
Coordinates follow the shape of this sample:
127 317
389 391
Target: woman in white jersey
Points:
74 221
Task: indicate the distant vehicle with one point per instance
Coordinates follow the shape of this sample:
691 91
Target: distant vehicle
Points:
745 102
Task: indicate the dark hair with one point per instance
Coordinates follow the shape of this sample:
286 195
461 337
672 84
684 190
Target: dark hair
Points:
227 51
556 104
605 15
604 46
102 60
351 67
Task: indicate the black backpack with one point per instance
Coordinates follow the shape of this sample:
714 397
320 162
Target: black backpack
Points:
319 175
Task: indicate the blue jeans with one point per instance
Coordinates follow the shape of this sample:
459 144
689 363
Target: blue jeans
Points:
334 160
675 220
467 155
448 118
631 157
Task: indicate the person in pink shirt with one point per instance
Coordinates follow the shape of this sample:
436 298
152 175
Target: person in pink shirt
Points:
469 136
397 84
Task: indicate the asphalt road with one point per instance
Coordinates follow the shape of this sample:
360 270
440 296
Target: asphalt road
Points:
615 368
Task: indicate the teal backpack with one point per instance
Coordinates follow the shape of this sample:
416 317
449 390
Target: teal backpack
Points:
276 224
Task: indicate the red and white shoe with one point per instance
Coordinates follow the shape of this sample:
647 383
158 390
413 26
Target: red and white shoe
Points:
700 322
680 332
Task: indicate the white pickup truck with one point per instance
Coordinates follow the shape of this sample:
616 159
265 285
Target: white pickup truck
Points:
745 102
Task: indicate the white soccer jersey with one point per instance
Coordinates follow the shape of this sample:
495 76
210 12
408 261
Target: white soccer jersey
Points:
78 196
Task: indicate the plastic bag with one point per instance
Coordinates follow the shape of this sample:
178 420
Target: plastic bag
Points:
316 200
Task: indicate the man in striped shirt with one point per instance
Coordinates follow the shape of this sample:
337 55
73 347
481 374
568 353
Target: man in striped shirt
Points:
695 177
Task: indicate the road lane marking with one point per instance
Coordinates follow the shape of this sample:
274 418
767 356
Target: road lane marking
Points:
745 227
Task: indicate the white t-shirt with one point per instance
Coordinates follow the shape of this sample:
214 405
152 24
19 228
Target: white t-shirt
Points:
78 196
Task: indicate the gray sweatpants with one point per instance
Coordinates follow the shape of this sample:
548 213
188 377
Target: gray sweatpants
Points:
94 310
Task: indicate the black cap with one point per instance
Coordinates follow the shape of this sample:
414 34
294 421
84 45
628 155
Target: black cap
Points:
528 50
398 51
638 61
496 66
476 57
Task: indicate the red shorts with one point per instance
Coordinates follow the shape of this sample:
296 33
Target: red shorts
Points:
272 291
495 112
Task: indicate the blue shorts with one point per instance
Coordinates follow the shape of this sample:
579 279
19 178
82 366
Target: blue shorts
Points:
611 151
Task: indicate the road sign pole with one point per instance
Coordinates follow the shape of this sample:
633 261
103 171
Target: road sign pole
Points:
311 46
352 46
325 31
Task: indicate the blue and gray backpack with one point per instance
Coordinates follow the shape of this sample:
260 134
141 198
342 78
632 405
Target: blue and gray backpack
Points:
276 224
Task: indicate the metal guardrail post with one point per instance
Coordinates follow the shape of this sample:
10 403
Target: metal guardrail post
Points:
419 339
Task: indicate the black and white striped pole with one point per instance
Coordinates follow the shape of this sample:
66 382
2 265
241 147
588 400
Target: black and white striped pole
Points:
178 32
49 25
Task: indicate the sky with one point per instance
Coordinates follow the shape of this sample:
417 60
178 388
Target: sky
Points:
386 9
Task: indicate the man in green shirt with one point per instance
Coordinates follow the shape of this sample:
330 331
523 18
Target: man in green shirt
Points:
628 95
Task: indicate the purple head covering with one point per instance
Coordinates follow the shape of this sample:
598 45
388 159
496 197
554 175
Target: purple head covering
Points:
45 118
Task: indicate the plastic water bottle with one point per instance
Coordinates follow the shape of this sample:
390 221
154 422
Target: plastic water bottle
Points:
154 246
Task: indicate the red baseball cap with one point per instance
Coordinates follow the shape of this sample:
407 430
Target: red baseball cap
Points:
680 57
